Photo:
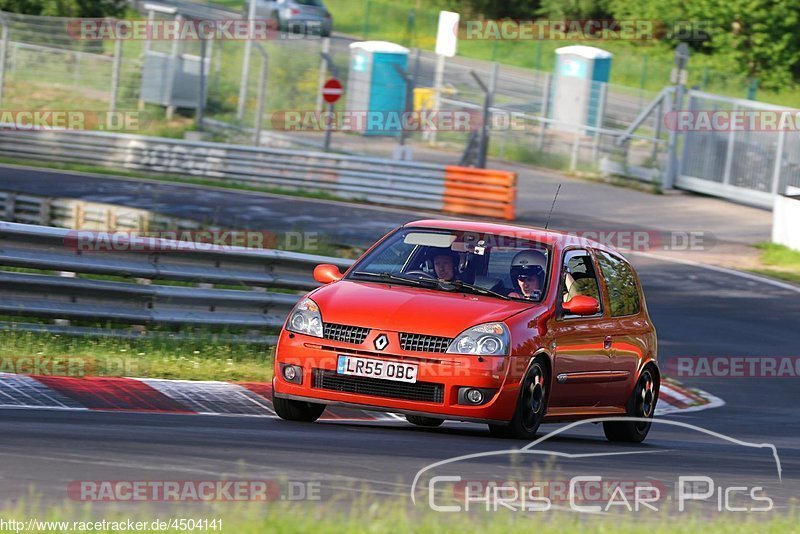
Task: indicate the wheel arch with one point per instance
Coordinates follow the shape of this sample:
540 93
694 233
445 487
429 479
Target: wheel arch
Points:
547 358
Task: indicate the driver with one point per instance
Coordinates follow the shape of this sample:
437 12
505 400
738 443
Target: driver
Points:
527 273
445 265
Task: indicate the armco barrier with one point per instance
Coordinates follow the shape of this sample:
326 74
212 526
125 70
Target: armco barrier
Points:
395 183
50 250
84 215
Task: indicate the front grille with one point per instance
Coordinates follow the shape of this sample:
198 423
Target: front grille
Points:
348 334
422 343
419 391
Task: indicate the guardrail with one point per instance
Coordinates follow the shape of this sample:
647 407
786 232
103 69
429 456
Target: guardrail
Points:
380 181
268 281
84 215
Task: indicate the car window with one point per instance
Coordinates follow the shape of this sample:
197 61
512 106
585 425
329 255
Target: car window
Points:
579 276
621 283
391 258
506 266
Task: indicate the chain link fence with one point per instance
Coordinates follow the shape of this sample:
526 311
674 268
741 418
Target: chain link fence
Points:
45 67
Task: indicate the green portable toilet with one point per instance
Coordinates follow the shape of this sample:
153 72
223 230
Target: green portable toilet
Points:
578 88
375 86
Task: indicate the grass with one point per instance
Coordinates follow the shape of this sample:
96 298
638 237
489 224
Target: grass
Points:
366 516
779 262
200 358
640 66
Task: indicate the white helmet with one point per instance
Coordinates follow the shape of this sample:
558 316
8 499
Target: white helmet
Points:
529 262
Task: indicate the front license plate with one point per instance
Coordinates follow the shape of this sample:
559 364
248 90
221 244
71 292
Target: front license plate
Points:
399 372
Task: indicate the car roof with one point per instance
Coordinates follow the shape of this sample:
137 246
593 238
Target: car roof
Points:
558 239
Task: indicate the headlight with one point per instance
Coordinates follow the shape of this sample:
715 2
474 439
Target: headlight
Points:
490 339
305 319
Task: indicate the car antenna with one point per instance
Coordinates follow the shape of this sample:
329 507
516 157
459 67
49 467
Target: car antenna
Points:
551 207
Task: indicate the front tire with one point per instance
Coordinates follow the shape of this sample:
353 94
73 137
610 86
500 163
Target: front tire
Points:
642 403
421 420
531 406
292 410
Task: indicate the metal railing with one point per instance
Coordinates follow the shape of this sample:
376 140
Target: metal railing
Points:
379 181
746 165
84 215
164 284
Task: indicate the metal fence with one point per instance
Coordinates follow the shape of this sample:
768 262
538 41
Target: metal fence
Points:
745 166
38 56
169 283
42 58
396 183
84 215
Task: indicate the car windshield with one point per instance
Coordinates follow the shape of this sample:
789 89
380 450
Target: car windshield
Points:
496 265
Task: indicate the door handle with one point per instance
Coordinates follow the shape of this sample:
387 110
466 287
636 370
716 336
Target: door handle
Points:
607 342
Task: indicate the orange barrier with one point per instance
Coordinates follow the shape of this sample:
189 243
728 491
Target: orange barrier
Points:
484 192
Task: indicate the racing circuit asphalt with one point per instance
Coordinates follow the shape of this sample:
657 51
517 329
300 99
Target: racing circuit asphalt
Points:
697 311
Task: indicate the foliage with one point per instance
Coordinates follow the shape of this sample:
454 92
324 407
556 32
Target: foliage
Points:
65 8
759 37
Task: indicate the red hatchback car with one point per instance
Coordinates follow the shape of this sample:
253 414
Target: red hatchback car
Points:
468 321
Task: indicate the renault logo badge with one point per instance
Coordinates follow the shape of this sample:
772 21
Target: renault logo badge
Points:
381 342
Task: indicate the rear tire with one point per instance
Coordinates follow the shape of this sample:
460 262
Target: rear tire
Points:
292 410
531 406
421 420
642 403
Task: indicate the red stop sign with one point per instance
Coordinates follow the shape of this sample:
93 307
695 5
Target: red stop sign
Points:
332 90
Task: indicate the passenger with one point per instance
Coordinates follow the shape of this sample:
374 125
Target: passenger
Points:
527 274
445 265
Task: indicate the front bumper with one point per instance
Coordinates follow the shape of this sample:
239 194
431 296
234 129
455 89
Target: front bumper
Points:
435 394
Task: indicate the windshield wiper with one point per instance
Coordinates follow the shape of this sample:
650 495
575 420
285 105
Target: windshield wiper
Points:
421 282
477 289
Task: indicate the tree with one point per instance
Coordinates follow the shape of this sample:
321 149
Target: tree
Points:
495 9
758 37
65 8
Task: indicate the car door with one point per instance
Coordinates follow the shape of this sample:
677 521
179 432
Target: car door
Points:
581 351
631 326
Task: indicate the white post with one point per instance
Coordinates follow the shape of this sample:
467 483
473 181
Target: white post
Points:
151 16
545 110
3 51
261 95
115 75
726 177
323 71
598 120
573 161
776 171
248 45
437 94
173 63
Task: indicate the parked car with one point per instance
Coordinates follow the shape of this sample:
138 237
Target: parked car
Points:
469 321
305 16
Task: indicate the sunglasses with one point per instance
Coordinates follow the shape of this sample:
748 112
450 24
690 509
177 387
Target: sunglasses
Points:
524 277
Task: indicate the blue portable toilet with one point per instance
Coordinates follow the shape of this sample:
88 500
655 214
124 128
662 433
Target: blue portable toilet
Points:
578 88
375 86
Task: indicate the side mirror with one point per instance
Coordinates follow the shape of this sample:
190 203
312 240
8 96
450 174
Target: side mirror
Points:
581 305
327 273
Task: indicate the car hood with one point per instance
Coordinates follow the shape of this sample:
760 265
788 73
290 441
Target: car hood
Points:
409 309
